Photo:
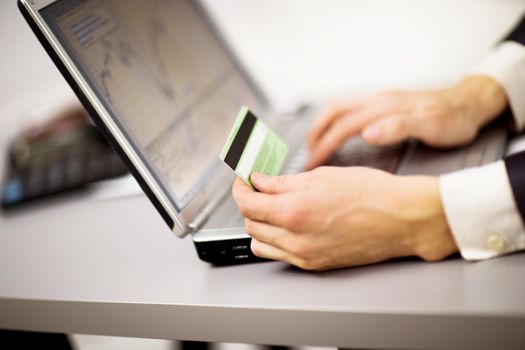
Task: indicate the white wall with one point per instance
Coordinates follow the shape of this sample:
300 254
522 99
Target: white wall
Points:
297 49
316 49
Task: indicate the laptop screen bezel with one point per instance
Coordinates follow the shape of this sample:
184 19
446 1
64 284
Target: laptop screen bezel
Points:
181 221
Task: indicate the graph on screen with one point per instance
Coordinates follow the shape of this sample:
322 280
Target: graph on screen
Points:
166 78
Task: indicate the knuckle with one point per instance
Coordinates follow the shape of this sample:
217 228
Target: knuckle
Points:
302 248
322 170
289 219
248 226
281 182
294 218
281 240
390 99
244 211
328 112
397 126
319 170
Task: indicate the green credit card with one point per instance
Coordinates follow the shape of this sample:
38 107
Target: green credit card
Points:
253 147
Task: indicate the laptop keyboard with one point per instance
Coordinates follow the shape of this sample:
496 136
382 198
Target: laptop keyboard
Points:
297 161
355 152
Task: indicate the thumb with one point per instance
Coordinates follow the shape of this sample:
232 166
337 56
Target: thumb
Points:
272 184
388 130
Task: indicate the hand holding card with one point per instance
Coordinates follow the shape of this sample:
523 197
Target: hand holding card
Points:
253 147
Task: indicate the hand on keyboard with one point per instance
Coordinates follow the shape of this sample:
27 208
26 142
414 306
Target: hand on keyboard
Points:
440 118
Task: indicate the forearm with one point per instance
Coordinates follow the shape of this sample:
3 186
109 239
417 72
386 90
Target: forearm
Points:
429 236
481 99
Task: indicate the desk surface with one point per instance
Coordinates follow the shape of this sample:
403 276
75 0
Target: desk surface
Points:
96 266
83 271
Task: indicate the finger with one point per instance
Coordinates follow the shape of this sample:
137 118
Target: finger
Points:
266 233
330 142
391 130
260 206
332 112
341 130
239 187
267 251
278 184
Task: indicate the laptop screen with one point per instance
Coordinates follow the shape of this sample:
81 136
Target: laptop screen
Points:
164 77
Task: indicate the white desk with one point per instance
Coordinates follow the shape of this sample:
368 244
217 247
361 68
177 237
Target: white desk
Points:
111 267
114 269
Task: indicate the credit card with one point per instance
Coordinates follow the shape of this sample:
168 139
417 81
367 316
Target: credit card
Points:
253 147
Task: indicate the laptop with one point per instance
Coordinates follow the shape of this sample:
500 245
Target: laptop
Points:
164 88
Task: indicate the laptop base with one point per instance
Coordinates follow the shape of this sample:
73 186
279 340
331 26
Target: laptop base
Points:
227 251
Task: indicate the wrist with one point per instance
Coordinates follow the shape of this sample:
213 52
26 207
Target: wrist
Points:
480 99
430 235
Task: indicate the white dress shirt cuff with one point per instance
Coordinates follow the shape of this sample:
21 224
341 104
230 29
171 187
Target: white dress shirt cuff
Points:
481 211
506 64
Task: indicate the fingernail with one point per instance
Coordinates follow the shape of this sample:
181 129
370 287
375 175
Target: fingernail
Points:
372 133
258 177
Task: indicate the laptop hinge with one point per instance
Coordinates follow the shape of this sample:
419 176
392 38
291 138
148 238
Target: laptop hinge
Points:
205 212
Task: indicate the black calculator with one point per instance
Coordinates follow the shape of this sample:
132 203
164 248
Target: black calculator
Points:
67 154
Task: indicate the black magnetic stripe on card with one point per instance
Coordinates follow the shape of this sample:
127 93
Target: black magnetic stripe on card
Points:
239 142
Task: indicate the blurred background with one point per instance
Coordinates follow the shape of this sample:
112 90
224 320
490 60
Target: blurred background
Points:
297 50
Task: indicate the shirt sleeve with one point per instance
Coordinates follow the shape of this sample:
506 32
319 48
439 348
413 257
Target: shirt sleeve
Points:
479 203
481 212
506 64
